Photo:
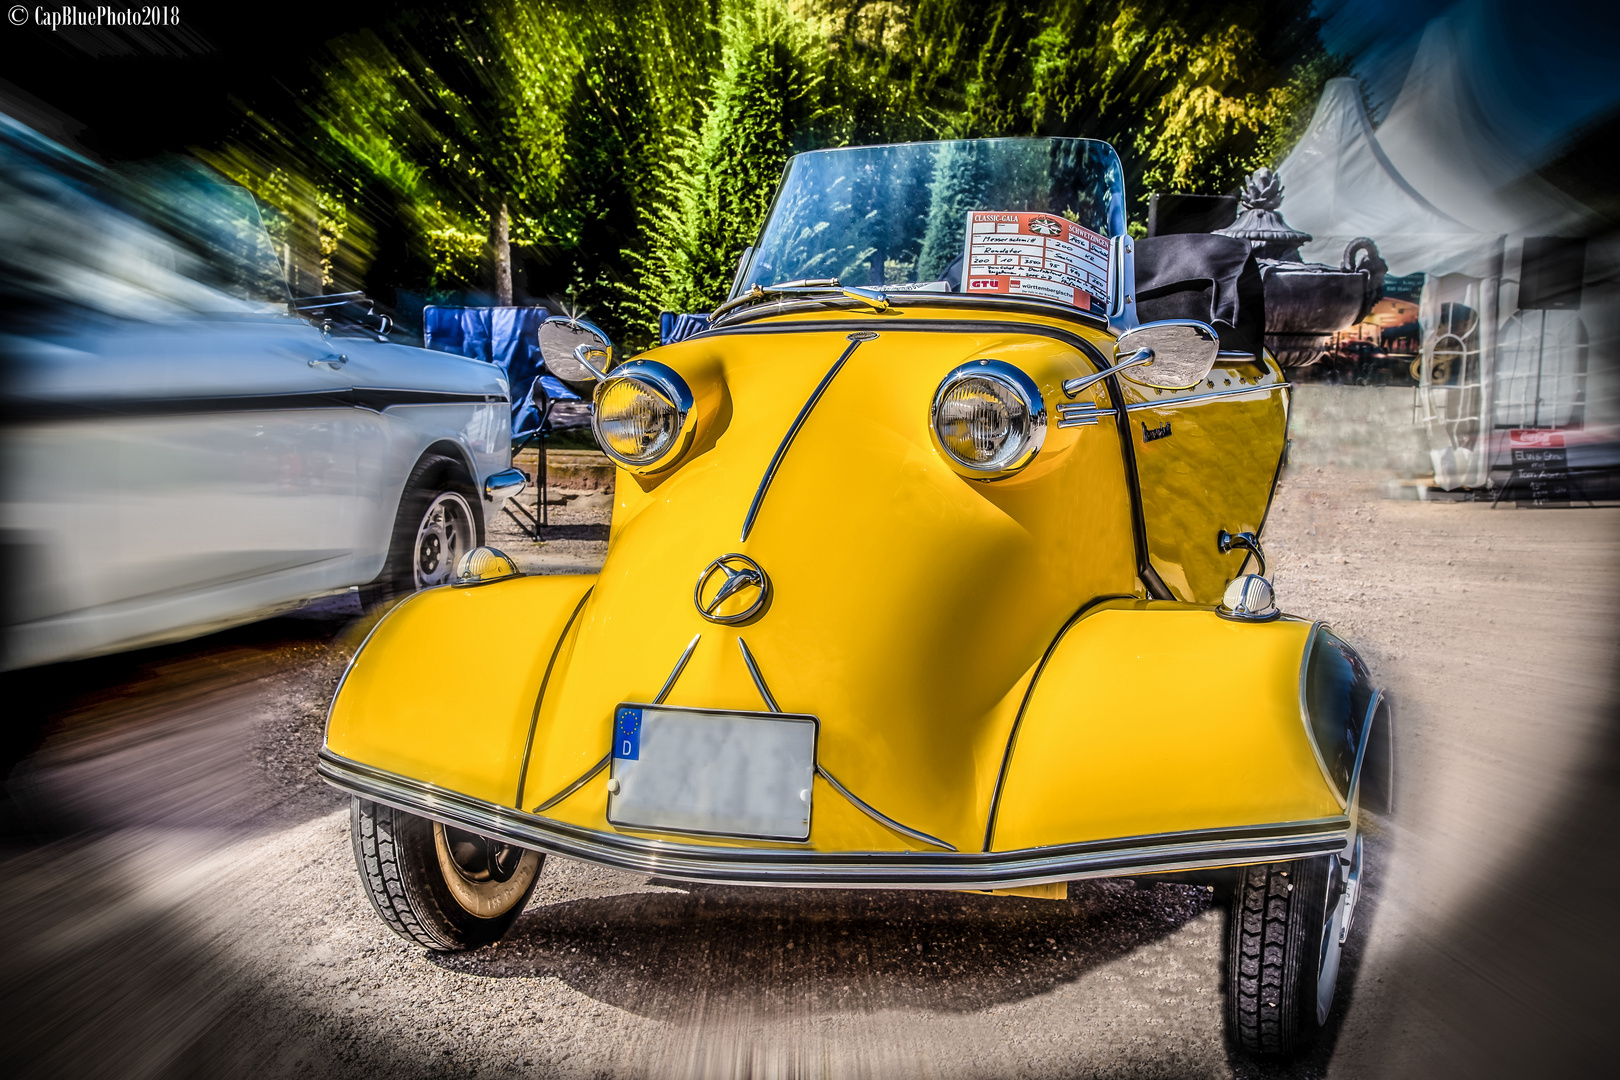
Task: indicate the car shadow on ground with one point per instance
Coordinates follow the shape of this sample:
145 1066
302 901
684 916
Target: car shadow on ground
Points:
668 955
574 532
217 732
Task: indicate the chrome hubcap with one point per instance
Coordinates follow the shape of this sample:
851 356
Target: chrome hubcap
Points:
443 536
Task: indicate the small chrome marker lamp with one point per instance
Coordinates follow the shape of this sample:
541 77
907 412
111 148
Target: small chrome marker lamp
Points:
482 565
1248 597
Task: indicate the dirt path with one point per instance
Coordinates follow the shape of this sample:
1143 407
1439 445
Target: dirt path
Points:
226 931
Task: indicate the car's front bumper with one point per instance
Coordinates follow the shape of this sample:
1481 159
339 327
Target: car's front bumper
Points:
1122 857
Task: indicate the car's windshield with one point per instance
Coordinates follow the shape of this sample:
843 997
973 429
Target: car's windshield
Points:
1013 216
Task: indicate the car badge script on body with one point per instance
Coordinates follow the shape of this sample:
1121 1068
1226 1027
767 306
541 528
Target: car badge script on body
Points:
734 578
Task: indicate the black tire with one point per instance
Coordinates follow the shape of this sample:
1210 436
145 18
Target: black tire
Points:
411 869
1276 944
434 479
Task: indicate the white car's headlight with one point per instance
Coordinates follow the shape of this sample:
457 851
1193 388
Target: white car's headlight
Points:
643 416
988 419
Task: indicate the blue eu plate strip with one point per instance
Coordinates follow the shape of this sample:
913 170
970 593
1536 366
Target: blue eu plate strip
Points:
627 735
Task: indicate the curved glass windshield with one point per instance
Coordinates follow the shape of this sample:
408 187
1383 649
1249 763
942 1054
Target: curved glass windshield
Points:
1027 217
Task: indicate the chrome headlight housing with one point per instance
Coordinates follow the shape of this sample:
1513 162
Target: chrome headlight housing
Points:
988 419
643 416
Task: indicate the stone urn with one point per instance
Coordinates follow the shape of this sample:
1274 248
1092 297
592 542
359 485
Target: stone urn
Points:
1306 303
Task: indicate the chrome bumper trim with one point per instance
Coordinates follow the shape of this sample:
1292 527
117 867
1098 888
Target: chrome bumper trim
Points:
1123 857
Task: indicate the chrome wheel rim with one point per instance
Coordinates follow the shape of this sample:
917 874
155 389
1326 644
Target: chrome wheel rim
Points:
1344 887
486 877
481 860
444 534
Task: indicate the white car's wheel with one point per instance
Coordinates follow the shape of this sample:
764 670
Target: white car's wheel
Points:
438 522
443 535
438 886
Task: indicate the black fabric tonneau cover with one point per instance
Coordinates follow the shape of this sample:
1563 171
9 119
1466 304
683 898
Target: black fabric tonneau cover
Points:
1213 279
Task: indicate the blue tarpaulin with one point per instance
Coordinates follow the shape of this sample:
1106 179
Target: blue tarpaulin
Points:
508 337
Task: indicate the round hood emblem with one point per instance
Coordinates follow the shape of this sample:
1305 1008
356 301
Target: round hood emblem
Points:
732 589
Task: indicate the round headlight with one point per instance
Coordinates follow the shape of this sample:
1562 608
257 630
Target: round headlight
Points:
988 419
643 416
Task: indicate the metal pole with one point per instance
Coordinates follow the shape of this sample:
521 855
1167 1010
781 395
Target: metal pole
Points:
1541 345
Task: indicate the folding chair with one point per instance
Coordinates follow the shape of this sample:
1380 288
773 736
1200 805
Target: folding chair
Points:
544 392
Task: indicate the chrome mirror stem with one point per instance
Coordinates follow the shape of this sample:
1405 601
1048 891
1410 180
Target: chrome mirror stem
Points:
1243 541
1074 386
582 354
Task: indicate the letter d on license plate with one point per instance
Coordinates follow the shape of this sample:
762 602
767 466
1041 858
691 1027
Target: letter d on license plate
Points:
716 773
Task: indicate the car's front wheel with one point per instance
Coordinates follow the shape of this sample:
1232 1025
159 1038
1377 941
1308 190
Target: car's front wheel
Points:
1284 940
436 885
437 523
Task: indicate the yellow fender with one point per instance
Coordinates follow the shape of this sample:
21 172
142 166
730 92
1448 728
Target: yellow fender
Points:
433 694
1153 717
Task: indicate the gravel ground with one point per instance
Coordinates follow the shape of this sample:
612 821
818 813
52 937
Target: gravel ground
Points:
180 897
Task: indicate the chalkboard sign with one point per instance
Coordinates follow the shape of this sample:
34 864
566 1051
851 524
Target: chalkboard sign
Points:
1541 463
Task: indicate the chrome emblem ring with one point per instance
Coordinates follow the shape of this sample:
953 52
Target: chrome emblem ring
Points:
727 578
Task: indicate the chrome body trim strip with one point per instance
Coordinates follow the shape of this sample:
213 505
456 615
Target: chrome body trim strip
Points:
540 696
1081 414
759 680
19 409
680 666
799 868
1211 396
1023 704
860 804
854 340
575 786
1361 747
1305 714
878 816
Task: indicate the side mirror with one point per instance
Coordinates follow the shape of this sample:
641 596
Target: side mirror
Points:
561 342
1175 354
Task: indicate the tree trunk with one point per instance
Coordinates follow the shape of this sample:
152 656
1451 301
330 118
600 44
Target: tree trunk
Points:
304 242
500 244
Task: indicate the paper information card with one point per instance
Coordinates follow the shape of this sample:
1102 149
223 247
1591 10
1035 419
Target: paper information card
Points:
1042 255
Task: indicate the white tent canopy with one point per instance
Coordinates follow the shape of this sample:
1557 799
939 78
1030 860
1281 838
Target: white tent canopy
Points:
1339 184
1440 140
1442 195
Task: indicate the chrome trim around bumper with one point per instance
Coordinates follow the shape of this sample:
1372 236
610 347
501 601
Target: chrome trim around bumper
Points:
1123 857
505 484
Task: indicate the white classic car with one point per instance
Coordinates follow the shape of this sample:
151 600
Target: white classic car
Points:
184 448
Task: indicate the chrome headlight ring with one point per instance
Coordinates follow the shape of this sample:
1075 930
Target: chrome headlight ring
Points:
988 419
665 424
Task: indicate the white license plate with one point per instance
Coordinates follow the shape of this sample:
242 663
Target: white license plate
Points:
707 771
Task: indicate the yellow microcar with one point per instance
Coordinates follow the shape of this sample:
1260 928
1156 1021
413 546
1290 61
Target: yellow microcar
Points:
933 565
